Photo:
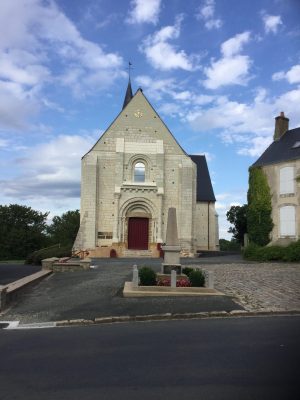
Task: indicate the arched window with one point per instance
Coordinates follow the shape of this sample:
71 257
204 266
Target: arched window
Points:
139 172
287 180
287 221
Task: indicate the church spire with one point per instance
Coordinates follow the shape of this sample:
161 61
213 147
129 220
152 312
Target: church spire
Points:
128 95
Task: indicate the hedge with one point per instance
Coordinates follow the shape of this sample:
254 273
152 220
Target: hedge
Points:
289 253
36 257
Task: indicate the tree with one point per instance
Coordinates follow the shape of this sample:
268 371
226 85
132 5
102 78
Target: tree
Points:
64 229
22 230
259 220
232 245
237 216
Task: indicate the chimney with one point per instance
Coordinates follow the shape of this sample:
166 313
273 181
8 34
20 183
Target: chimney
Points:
281 126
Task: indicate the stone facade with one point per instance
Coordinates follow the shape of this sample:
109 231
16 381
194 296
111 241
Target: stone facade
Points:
283 200
281 164
111 194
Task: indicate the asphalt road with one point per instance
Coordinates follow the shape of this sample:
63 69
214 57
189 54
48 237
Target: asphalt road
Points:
98 293
12 272
239 358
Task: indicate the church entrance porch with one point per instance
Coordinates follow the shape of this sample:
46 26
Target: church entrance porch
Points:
138 233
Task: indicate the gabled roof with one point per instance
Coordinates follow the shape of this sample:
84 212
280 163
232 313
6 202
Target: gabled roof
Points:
205 190
281 150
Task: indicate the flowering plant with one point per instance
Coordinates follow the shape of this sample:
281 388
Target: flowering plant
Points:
164 282
182 282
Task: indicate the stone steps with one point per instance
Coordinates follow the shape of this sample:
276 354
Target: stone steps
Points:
137 254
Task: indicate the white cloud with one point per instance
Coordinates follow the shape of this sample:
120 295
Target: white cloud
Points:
271 23
170 109
157 89
144 11
48 170
32 33
165 56
206 13
16 104
232 68
235 44
292 75
250 126
4 143
227 71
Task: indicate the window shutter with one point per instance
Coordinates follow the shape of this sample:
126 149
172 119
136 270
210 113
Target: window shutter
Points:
287 221
286 180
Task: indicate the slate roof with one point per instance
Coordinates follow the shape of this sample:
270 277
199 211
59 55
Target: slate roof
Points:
205 190
281 150
128 95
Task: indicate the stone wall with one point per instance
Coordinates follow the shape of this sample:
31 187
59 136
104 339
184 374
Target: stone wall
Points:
278 200
203 224
109 195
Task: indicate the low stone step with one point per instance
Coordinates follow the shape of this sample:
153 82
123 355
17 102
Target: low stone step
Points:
137 253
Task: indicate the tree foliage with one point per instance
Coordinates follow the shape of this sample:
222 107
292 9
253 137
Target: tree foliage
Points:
237 216
64 229
232 245
259 220
22 230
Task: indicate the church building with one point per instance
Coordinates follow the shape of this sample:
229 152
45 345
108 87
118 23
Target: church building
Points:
131 177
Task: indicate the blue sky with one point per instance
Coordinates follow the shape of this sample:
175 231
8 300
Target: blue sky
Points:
218 72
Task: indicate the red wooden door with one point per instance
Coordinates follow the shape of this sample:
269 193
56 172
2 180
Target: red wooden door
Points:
138 233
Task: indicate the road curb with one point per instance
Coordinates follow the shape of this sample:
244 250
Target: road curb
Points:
175 316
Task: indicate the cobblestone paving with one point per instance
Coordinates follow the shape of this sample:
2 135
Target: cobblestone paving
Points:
272 287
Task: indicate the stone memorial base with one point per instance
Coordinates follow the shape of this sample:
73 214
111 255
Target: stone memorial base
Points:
158 291
166 269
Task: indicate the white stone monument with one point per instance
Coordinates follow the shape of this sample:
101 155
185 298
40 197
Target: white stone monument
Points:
171 248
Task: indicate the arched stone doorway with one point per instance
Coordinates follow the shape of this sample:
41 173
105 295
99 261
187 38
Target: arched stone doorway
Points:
139 224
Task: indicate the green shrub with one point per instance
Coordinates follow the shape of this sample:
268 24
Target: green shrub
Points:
54 251
273 253
147 276
259 219
197 278
250 252
187 271
232 245
292 252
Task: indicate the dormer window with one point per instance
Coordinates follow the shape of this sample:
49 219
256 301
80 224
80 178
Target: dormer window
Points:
139 172
296 145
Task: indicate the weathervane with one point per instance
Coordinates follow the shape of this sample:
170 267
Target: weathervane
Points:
130 67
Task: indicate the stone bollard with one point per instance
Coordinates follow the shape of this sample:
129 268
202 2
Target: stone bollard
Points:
135 276
2 297
173 278
211 279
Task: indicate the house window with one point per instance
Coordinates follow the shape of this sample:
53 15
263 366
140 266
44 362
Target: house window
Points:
287 221
287 180
139 172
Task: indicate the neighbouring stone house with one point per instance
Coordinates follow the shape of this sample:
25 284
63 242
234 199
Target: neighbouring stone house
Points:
281 164
130 178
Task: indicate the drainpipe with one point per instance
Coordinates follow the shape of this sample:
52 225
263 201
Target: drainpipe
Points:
208 225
